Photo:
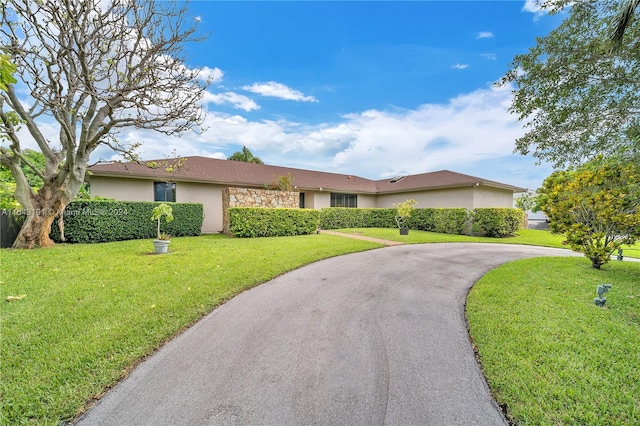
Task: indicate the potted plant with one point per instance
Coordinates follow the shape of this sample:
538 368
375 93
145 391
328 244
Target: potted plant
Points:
403 213
161 243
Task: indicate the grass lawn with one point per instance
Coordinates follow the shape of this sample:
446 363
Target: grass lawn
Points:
552 357
91 312
531 237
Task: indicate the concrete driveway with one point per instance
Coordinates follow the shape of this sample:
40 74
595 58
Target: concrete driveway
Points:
372 338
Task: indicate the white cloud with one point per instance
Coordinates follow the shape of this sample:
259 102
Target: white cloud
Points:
211 75
468 129
236 100
485 34
460 66
472 133
540 8
533 6
278 90
490 56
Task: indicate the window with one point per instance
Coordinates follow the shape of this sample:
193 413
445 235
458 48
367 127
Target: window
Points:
344 200
164 191
301 200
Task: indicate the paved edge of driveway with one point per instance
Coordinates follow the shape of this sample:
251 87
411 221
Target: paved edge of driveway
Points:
364 238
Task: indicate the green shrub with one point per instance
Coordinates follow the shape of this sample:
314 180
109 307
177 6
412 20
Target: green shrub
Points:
494 222
343 217
381 218
447 221
267 222
444 221
96 221
497 222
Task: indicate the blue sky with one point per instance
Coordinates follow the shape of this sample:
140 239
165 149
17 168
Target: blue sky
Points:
373 89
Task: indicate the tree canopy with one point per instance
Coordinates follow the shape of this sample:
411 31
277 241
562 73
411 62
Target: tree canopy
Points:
576 96
91 68
597 207
246 156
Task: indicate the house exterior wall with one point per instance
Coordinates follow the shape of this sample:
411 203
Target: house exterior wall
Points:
210 196
469 198
122 189
366 201
251 197
309 199
321 200
125 189
484 196
438 198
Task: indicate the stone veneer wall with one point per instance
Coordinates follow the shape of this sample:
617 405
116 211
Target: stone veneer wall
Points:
250 197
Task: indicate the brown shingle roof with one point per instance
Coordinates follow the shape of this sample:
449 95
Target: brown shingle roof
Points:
434 180
237 173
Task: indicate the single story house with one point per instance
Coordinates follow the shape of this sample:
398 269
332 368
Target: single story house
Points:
204 180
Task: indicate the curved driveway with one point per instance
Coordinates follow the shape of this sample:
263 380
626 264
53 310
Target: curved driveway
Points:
371 338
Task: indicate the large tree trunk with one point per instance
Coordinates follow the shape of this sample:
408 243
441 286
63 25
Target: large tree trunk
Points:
35 232
45 206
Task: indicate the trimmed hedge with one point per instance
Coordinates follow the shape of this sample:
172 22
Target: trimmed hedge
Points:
443 221
343 217
497 222
97 221
269 222
448 221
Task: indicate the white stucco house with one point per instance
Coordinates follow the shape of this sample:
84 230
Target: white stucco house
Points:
202 180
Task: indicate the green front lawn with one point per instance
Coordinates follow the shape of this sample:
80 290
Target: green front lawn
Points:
550 355
90 312
531 237
525 236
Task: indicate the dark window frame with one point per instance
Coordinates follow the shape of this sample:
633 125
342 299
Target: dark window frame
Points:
344 200
164 191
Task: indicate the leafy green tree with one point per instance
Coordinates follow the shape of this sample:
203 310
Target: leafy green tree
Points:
575 96
245 156
282 183
7 69
8 183
596 206
91 68
528 202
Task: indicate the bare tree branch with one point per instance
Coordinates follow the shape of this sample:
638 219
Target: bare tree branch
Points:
94 67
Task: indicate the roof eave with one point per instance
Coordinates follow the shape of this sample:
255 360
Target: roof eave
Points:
127 175
505 187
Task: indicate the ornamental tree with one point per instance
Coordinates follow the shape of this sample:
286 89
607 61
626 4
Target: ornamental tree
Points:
596 206
160 211
89 68
404 211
